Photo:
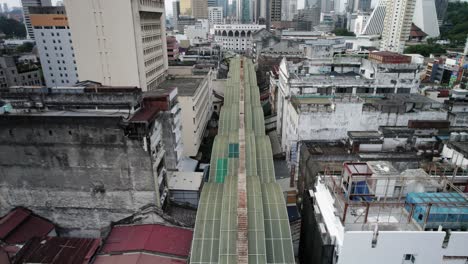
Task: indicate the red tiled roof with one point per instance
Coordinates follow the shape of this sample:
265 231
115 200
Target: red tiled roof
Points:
416 31
149 238
137 259
20 225
58 250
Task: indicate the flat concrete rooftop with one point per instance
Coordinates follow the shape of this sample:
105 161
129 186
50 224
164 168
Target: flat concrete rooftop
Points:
186 86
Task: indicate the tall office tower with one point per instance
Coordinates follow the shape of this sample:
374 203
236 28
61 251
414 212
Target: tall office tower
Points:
375 23
289 9
186 7
175 13
27 21
5 8
215 15
119 42
275 10
339 6
225 5
425 17
55 46
261 9
212 3
326 5
312 3
244 11
397 24
441 9
359 5
200 9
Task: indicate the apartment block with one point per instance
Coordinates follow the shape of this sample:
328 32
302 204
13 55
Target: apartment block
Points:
397 24
26 4
55 45
121 42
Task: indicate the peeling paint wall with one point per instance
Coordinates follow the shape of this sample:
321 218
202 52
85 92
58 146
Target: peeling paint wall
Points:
80 172
346 117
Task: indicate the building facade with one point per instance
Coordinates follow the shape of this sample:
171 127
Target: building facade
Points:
236 37
186 7
425 17
200 9
172 48
26 4
195 97
319 98
96 152
13 73
55 45
215 15
288 9
129 47
397 24
275 10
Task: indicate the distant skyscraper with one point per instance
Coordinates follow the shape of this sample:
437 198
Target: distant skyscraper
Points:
27 21
212 3
375 23
275 10
186 7
425 17
397 24
5 8
359 5
200 9
288 9
441 9
326 5
1 9
215 15
55 46
312 3
175 13
244 11
119 42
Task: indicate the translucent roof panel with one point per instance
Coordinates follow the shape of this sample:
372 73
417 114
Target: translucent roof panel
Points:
268 232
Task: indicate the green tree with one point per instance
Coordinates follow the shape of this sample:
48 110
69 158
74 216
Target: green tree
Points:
457 29
425 49
25 48
12 28
342 32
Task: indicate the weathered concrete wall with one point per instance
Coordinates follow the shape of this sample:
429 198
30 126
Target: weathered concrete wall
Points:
350 117
80 172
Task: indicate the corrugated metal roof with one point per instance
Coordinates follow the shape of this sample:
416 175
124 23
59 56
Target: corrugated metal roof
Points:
139 258
161 239
58 250
20 225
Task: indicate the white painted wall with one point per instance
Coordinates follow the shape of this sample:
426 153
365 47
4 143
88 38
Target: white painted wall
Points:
427 247
196 111
346 117
108 41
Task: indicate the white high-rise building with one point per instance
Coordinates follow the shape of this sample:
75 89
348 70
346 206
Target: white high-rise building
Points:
55 45
288 9
27 21
425 17
397 24
119 42
375 23
215 15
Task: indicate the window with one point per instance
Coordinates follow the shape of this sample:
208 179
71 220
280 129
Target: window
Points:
42 33
233 150
409 258
43 41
